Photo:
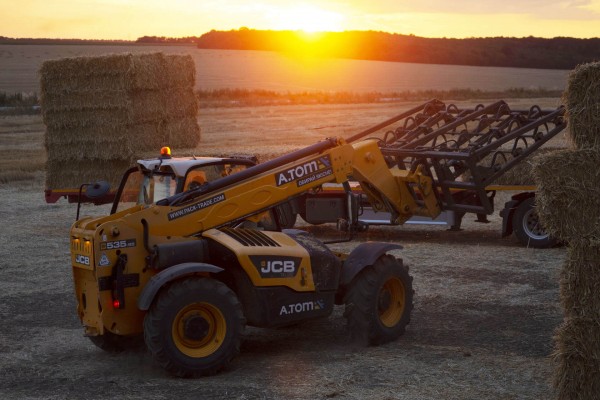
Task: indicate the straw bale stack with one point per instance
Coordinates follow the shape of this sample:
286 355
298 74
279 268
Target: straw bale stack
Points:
102 113
568 204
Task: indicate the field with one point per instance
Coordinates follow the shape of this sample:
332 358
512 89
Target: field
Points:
263 70
485 307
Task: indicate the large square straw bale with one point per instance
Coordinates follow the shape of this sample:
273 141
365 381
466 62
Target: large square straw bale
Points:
118 72
577 356
69 174
85 108
568 198
582 100
580 282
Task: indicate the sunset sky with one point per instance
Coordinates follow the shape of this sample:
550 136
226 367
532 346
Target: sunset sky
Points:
130 19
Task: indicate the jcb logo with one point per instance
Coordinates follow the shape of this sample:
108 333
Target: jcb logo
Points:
79 259
276 267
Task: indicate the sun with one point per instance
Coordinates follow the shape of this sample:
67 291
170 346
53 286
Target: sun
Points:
308 18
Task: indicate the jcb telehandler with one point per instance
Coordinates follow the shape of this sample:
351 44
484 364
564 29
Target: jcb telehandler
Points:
184 259
190 270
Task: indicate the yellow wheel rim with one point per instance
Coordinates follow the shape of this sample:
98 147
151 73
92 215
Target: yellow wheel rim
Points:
391 302
199 330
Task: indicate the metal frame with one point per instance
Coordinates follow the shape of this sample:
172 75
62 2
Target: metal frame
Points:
452 145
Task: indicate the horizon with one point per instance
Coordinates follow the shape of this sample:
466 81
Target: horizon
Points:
285 30
127 20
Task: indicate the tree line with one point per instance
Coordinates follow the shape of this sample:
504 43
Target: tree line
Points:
528 52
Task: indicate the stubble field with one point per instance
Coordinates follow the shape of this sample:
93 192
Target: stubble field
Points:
482 326
265 70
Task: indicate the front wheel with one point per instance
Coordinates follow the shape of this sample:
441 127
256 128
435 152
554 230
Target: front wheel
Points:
195 327
528 228
379 301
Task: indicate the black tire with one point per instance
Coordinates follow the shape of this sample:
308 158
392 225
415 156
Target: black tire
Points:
287 216
527 228
379 301
112 343
195 327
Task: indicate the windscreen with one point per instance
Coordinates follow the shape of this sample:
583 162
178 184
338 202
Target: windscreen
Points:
146 189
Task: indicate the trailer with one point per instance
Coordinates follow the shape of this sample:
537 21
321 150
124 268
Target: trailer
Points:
465 151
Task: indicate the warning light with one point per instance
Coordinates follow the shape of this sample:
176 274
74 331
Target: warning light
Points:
165 152
116 303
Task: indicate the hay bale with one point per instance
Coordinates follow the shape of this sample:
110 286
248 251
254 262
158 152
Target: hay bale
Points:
118 72
577 356
580 282
582 101
120 107
72 173
105 150
568 199
141 139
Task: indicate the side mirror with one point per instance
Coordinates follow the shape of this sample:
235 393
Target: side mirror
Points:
92 191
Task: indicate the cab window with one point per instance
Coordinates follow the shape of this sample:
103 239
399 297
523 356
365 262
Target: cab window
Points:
140 188
203 174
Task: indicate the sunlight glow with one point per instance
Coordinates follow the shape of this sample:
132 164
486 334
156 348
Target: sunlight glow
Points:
307 18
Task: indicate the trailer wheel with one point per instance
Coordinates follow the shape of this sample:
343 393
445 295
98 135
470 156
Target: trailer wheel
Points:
379 301
528 228
195 327
286 215
112 343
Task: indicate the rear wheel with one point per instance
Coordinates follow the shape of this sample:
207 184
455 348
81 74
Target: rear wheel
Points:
379 302
528 228
195 327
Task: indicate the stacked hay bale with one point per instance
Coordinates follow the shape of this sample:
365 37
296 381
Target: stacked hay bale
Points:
568 204
102 113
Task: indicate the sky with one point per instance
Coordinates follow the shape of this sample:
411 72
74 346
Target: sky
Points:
130 19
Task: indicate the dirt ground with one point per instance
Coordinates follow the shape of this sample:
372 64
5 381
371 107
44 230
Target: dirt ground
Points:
482 326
